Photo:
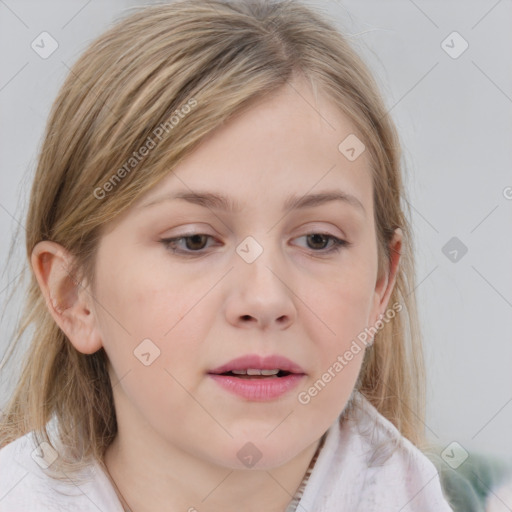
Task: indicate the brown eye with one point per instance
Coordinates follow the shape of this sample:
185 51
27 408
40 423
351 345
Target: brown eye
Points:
194 242
197 242
319 242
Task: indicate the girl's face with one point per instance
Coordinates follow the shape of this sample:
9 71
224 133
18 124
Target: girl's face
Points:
257 273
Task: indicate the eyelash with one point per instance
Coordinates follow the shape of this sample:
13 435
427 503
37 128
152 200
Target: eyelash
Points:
337 245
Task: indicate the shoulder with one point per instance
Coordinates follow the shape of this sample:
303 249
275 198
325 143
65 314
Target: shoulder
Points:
414 480
26 484
373 467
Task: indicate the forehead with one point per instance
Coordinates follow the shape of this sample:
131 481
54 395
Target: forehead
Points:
285 144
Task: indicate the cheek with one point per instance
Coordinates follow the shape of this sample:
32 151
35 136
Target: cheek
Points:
152 336
330 386
341 303
340 353
341 307
157 396
145 299
165 307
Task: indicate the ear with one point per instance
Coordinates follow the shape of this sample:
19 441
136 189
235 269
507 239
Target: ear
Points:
68 301
385 284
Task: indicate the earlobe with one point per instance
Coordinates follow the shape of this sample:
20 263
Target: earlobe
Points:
67 300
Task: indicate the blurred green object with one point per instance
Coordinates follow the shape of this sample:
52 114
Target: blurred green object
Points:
467 486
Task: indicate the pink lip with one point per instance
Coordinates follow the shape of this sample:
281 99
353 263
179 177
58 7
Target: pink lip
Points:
258 389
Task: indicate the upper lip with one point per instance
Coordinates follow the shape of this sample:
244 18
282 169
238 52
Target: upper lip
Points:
259 362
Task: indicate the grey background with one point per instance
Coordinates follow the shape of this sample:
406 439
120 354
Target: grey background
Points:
454 119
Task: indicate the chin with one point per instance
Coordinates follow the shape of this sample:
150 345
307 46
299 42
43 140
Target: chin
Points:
257 455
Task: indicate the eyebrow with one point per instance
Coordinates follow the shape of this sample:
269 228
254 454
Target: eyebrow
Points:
219 201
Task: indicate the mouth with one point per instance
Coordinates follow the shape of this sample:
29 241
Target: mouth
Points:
258 378
253 366
254 373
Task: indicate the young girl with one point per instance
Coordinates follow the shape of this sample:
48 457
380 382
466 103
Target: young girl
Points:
222 279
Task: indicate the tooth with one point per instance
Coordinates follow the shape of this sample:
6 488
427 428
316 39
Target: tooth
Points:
255 371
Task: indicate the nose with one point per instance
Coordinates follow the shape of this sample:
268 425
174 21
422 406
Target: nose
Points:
260 293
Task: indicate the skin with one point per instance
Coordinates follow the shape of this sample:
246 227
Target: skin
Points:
179 432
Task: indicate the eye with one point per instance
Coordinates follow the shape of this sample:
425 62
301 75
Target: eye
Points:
319 242
194 242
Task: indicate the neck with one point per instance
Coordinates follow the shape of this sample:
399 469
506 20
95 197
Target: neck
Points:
182 484
152 470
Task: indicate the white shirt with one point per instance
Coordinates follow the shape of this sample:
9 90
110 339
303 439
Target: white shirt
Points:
357 470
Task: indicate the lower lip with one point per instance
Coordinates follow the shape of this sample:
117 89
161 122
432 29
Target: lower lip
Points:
259 389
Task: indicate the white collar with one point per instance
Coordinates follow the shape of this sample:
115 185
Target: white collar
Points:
366 465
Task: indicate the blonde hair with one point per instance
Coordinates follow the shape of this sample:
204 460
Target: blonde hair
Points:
222 55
